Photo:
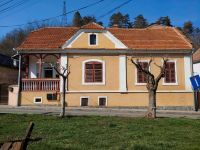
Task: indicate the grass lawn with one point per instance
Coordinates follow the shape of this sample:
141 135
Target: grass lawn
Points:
84 133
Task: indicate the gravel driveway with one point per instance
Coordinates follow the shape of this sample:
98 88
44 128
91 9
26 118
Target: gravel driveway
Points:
88 111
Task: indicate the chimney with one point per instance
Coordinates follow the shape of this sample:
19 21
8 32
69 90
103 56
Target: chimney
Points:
115 26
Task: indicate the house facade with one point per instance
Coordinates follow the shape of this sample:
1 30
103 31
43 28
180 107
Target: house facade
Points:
101 73
196 62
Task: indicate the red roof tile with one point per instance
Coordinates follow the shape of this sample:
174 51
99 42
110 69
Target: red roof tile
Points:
48 38
152 38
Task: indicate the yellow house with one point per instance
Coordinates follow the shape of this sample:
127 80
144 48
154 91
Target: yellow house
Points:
101 71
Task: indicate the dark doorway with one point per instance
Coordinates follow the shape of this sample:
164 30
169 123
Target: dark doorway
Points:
198 99
48 72
3 94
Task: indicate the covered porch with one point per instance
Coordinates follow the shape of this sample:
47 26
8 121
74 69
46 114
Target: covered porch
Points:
38 75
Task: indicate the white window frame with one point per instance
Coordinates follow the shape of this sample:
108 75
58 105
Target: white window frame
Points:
96 39
103 73
136 81
84 97
37 102
176 76
105 98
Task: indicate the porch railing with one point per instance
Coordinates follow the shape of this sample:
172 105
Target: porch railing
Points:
40 84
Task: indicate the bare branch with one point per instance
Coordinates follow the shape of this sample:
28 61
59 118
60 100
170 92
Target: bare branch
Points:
162 70
139 67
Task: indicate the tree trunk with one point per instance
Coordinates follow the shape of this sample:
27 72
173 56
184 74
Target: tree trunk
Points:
62 113
151 113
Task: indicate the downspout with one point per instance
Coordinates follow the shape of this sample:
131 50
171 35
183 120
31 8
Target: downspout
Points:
19 80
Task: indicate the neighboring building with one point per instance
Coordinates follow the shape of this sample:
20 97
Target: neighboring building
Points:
196 62
8 76
196 71
101 71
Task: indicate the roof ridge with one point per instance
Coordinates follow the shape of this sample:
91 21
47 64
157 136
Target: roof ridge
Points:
70 27
93 23
147 28
183 36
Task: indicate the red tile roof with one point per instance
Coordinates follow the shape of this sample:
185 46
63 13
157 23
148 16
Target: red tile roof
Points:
196 56
48 38
152 38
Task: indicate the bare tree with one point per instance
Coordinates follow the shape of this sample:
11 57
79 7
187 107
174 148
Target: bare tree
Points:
152 83
64 73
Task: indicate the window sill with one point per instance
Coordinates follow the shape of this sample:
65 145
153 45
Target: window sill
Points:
93 83
170 84
141 84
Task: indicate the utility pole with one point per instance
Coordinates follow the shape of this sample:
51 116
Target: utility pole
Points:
64 17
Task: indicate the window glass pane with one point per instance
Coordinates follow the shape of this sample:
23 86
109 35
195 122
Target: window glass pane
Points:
38 100
102 101
88 66
88 75
93 72
84 101
170 74
140 75
98 66
93 39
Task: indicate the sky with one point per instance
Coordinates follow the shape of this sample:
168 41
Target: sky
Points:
179 11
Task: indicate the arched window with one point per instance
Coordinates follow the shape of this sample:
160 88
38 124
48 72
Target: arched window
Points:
93 39
93 72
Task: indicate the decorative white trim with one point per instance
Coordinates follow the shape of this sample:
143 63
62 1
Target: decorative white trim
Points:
188 71
64 63
84 97
122 73
136 80
37 102
97 41
68 44
83 72
116 41
103 97
131 91
176 76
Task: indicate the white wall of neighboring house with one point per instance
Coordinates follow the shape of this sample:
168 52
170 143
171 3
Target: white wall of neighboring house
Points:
196 68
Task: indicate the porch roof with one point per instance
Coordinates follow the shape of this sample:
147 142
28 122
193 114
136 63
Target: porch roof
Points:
150 38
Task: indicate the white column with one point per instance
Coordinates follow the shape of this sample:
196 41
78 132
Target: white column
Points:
188 71
63 63
122 74
19 80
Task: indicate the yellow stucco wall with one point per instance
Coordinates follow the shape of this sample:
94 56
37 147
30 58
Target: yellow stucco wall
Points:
83 42
111 73
27 98
114 99
131 73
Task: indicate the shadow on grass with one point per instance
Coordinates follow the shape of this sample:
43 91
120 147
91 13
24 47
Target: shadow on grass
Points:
35 139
